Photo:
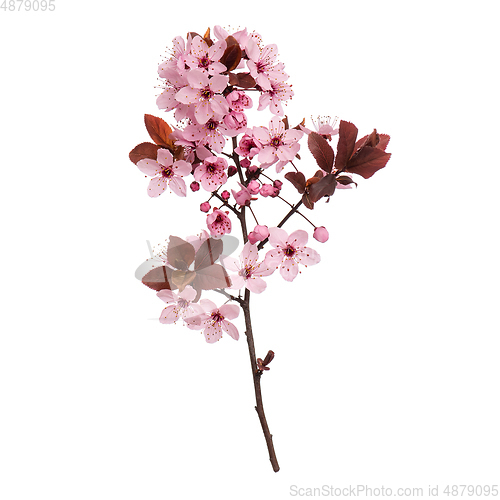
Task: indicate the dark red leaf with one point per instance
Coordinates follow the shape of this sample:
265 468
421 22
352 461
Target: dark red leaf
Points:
306 200
345 147
142 151
367 161
159 130
159 278
211 277
321 150
182 278
208 253
243 80
324 187
298 180
207 38
232 55
345 180
384 140
180 253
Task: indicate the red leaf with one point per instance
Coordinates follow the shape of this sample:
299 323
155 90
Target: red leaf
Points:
367 161
368 140
384 140
307 201
345 180
159 278
243 80
180 253
182 278
144 150
232 55
211 277
345 147
158 130
298 180
208 253
324 187
321 150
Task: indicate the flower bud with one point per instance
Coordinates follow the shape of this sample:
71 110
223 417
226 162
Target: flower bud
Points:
253 187
320 234
195 186
205 206
231 170
225 195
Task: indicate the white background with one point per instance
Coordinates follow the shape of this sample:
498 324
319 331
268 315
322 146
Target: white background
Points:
386 368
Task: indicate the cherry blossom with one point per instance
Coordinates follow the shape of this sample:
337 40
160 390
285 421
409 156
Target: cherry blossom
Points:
165 172
277 143
289 252
204 93
214 320
249 272
262 64
181 305
280 91
206 58
211 173
218 223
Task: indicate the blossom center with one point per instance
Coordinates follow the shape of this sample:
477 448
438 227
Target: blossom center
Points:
289 251
246 272
167 172
276 142
216 317
206 93
182 303
211 125
204 62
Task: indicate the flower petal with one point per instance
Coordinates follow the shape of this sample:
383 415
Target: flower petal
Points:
156 186
278 236
230 311
289 269
230 329
255 284
149 167
169 315
297 238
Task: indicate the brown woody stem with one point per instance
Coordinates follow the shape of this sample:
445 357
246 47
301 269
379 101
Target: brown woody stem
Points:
256 374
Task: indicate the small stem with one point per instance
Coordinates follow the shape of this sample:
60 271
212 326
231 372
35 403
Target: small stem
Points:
287 216
256 221
218 196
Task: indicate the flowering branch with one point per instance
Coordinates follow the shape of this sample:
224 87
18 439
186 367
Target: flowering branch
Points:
207 80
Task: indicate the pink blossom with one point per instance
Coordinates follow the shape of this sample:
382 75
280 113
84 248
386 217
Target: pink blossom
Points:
211 173
204 93
253 186
260 233
165 172
269 190
218 223
280 91
243 196
321 234
249 272
235 123
247 146
323 126
263 66
238 101
277 143
177 62
181 307
214 320
209 134
289 252
205 58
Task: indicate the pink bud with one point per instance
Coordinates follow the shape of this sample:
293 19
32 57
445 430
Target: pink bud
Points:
245 162
195 186
262 232
225 195
231 170
320 234
253 187
267 190
205 206
253 238
277 184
